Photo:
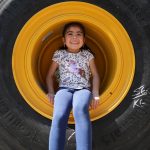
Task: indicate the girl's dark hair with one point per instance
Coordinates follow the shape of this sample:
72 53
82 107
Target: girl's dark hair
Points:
74 24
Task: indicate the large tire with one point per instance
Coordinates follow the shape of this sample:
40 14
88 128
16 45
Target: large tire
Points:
125 128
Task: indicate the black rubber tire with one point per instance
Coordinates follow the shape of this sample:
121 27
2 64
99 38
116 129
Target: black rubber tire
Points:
126 128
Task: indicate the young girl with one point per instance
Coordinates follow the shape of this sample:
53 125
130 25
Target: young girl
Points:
75 65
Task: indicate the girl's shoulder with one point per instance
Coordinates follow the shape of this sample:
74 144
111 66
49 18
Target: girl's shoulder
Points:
58 55
87 54
59 51
86 51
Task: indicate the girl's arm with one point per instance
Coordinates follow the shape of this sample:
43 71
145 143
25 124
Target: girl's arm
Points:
49 80
95 84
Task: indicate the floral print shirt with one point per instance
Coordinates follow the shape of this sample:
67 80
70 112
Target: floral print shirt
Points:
73 71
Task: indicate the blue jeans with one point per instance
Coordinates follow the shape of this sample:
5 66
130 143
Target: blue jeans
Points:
64 101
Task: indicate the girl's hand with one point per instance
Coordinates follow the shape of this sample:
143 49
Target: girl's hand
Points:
94 103
51 97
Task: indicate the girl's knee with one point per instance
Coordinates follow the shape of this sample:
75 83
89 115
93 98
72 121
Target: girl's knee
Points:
80 110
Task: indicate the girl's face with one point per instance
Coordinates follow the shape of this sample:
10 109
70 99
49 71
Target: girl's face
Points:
74 39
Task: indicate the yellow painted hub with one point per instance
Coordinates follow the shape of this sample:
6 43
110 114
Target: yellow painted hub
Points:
42 35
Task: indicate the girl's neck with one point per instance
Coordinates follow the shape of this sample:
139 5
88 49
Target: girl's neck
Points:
73 51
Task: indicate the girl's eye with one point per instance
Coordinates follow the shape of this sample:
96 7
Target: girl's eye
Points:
79 34
69 33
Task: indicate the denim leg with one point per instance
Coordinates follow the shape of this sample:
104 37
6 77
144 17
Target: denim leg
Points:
62 108
81 100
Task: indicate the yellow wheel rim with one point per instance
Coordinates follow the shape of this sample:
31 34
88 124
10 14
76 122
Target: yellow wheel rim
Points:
41 36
